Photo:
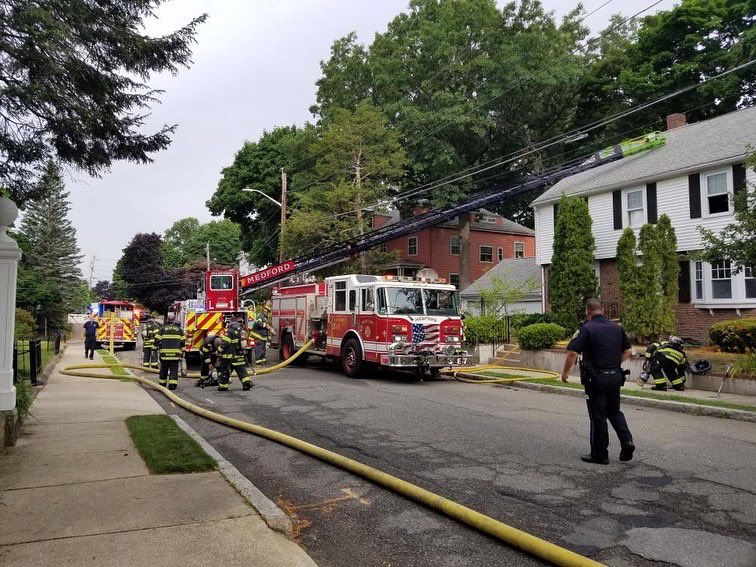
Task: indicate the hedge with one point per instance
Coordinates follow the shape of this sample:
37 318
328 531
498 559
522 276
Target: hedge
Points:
485 329
520 320
738 335
540 335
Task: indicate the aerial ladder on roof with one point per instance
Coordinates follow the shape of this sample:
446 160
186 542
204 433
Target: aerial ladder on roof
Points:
352 247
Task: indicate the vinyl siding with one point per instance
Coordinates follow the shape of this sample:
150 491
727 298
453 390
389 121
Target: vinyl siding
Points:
672 200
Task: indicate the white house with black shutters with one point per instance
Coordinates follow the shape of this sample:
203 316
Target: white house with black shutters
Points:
691 179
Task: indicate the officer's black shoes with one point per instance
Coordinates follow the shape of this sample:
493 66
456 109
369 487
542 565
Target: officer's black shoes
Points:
247 385
595 460
626 452
172 386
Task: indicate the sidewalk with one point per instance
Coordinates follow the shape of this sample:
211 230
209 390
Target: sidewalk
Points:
75 491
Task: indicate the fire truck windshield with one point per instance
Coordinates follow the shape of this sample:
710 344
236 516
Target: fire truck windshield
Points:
416 301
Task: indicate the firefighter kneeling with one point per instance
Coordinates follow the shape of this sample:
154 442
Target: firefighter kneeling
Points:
666 361
169 340
210 360
231 353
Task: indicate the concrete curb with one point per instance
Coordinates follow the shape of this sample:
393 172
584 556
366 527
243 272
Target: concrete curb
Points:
272 514
692 409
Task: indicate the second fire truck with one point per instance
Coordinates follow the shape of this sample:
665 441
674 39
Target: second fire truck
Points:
361 320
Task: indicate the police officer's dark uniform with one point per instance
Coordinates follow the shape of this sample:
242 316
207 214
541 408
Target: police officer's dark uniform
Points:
169 340
90 338
602 342
231 352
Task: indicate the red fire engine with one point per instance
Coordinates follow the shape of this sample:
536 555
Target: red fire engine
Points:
217 302
386 321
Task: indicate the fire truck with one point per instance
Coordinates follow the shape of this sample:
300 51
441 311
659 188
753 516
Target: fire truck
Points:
361 320
216 305
121 318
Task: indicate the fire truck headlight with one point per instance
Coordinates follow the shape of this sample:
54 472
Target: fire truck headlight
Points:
451 350
395 346
399 338
452 339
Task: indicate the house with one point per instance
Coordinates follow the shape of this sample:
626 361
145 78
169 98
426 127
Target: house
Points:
691 179
522 274
493 238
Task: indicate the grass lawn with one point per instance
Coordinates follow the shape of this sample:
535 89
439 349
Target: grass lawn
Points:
23 360
109 359
166 448
633 393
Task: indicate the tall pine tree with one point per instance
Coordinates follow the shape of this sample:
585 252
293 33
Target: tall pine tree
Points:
630 284
53 250
572 279
669 273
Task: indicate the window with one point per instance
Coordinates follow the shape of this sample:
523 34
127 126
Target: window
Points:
218 283
367 300
340 297
352 299
500 254
750 282
519 249
383 247
634 205
717 195
412 246
699 280
454 243
721 280
486 254
489 220
454 280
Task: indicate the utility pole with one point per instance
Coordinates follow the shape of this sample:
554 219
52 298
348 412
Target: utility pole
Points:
207 254
91 270
283 215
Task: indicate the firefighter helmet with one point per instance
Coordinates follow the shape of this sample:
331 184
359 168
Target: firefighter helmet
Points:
217 342
210 339
675 341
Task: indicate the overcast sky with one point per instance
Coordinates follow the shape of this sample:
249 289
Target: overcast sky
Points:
255 67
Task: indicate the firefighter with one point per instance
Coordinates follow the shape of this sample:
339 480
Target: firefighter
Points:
149 351
209 356
667 361
260 331
231 353
169 340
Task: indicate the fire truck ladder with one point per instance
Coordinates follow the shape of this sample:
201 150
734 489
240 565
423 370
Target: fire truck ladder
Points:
347 249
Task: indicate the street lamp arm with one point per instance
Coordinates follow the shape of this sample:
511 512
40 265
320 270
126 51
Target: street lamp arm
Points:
248 190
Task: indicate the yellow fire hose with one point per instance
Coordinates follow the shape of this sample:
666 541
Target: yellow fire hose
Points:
517 538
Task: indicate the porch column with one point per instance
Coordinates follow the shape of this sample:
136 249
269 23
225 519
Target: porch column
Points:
10 254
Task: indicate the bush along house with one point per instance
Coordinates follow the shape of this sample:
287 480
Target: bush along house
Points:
493 238
692 179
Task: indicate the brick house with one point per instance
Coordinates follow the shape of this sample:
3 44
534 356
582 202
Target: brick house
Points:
691 179
493 238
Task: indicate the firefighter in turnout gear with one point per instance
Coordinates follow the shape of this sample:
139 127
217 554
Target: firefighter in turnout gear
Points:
260 331
148 344
210 360
231 353
169 340
667 361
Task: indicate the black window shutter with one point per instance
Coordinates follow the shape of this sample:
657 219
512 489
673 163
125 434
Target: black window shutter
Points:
694 194
683 295
738 180
617 202
651 202
556 212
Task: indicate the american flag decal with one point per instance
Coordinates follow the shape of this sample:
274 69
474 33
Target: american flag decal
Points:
424 334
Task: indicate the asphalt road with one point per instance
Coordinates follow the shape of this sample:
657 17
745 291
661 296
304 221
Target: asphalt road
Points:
688 498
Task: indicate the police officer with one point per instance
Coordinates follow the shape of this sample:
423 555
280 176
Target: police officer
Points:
209 356
90 337
169 340
604 346
231 353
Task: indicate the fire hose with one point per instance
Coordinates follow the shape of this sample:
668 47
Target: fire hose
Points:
517 538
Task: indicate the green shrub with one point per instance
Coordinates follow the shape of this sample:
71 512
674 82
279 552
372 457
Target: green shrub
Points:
24 398
540 335
520 320
737 335
485 329
25 325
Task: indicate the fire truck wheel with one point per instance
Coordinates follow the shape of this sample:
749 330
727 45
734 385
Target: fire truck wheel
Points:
351 358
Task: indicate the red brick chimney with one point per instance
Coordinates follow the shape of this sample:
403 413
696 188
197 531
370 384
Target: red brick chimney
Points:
676 120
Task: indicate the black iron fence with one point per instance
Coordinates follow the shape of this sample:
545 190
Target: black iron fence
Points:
27 357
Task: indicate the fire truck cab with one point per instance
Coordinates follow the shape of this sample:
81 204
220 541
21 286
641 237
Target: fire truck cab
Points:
388 321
